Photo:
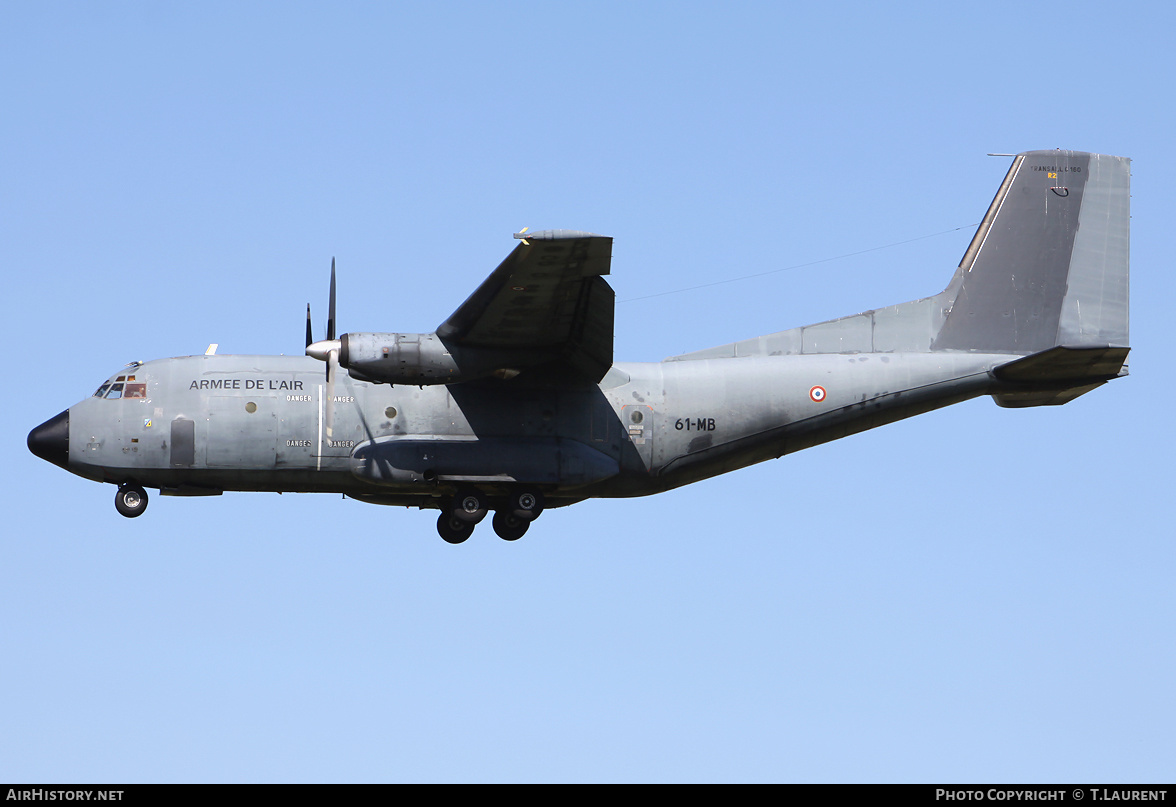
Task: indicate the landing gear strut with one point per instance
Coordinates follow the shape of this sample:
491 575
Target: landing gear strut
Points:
130 500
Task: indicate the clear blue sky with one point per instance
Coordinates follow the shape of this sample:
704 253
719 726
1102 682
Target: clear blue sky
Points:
977 594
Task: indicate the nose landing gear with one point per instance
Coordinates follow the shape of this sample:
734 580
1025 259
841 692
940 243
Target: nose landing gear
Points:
130 500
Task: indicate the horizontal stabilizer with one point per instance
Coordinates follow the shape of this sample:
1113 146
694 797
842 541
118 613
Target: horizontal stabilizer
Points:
1058 375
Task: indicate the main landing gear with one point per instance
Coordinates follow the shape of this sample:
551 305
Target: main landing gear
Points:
130 500
469 506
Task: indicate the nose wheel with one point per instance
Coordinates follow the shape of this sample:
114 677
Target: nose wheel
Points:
130 500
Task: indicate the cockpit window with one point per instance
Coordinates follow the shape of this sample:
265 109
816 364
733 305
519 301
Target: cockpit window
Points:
122 386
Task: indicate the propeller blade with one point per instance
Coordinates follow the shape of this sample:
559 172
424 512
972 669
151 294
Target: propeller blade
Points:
332 367
331 309
327 351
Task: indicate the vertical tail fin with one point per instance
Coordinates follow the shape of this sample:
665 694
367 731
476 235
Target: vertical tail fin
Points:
1048 266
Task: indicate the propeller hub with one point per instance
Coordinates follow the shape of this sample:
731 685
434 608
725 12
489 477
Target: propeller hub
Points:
320 350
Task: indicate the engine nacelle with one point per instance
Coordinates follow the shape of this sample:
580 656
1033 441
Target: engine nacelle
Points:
420 358
400 358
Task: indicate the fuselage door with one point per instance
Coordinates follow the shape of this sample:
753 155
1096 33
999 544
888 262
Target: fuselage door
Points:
183 442
242 431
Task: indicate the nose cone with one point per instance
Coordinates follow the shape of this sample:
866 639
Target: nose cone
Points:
50 440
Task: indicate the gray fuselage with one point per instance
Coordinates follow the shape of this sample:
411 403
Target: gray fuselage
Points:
206 424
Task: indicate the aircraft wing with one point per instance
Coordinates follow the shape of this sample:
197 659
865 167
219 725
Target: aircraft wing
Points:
549 302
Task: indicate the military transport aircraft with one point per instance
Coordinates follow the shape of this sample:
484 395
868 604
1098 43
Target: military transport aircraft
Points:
515 404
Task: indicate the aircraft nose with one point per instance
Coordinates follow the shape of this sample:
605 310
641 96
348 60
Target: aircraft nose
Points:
50 440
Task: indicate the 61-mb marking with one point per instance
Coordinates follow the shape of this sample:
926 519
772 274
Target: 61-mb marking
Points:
695 425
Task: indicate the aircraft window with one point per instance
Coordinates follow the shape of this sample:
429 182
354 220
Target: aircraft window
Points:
121 378
102 390
138 390
116 391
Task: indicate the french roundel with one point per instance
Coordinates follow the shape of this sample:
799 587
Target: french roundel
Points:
817 394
